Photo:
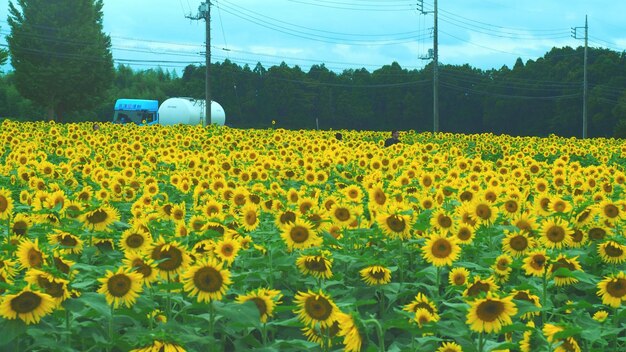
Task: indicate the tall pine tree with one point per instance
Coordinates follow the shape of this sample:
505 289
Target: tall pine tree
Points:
61 56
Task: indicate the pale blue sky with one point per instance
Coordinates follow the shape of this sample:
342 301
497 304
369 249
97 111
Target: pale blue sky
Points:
352 33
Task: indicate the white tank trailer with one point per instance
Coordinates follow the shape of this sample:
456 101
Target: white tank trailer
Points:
189 111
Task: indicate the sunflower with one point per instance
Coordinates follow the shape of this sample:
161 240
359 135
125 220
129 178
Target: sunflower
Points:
206 279
394 224
568 344
585 215
441 220
69 244
562 261
101 218
611 211
264 299
300 235
458 276
600 316
322 335
556 233
121 287
526 295
421 301
28 305
510 207
525 222
318 266
491 313
375 275
377 197
178 212
171 257
21 224
613 289
353 193
502 265
227 249
450 347
348 329
249 217
464 233
144 266
316 308
6 203
53 286
517 243
535 263
135 239
441 250
342 214
483 211
612 252
285 218
526 344
158 346
422 316
29 255
480 286
559 205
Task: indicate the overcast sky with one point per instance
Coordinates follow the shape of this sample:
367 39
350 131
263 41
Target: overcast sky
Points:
353 33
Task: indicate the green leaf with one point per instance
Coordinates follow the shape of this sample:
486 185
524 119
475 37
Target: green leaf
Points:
10 330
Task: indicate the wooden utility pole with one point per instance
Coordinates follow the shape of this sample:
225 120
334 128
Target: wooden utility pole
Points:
585 83
435 74
204 12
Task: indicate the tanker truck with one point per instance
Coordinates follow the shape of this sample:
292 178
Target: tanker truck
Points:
186 111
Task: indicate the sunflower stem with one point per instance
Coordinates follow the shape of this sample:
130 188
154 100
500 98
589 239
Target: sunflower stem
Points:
264 334
68 335
616 322
438 280
544 294
211 323
269 252
481 342
379 332
111 337
168 306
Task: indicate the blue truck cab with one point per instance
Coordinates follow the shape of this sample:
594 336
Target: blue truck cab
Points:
138 111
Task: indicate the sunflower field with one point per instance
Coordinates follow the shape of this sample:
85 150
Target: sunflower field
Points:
184 238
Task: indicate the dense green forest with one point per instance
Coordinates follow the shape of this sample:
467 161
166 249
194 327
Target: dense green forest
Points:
538 97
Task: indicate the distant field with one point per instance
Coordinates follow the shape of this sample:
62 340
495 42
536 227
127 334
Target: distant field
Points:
189 238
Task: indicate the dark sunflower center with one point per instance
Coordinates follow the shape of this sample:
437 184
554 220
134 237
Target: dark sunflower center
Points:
464 234
559 206
178 214
538 261
584 215
35 258
459 279
208 279
377 274
444 221
544 202
442 248
305 207
135 240
616 288
396 223
97 217
342 214
611 211
59 264
119 285
379 197
466 196
227 250
19 228
260 305
613 251
315 264
519 243
299 234
476 288
54 289
167 209
315 219
25 302
483 211
240 199
563 263
250 218
577 236
522 296
490 310
171 259
511 206
140 267
523 225
4 204
288 217
318 308
597 233
556 234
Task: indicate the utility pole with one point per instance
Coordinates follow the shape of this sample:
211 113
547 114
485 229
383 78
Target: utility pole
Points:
434 55
585 83
436 74
204 12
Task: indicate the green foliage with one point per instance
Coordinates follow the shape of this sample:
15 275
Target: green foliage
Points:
61 57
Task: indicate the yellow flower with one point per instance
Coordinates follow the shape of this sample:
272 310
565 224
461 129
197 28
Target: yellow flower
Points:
491 314
206 279
28 305
612 289
121 287
375 275
314 308
441 250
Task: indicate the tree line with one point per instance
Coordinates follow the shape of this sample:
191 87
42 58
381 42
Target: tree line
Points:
68 77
